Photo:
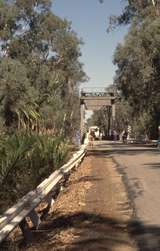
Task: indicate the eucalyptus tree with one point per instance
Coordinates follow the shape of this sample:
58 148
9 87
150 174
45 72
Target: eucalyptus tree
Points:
138 64
48 50
134 10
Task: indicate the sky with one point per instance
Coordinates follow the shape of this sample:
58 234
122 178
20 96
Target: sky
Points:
89 20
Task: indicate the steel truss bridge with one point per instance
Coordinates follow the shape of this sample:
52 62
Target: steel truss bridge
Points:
96 100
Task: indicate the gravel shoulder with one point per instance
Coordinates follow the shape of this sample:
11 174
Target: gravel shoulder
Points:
91 213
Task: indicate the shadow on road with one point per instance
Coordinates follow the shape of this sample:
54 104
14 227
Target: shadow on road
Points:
95 232
122 151
86 179
153 165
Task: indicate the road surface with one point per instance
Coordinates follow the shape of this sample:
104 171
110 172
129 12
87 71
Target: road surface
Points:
140 167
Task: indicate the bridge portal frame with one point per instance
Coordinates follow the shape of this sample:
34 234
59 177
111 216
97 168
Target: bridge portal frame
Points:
96 101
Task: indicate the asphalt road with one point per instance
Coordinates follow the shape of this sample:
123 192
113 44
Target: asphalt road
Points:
140 167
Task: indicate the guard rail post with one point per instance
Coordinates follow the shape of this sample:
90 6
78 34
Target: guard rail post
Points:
27 235
35 218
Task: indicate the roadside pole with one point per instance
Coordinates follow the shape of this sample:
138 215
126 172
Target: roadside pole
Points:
82 119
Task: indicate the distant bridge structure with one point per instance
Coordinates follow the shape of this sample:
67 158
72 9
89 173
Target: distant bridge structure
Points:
97 99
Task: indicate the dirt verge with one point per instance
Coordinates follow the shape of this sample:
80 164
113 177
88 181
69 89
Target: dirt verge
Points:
91 213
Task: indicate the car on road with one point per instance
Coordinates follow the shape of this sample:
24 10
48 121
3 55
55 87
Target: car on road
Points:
97 133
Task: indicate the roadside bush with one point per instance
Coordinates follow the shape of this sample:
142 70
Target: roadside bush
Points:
26 160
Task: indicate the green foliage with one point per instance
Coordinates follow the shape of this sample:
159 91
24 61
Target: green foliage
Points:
134 11
138 72
124 115
26 160
39 64
15 89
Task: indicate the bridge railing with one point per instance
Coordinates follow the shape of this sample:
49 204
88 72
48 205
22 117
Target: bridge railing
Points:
142 141
16 215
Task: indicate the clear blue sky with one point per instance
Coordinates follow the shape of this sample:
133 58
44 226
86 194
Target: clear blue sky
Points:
89 20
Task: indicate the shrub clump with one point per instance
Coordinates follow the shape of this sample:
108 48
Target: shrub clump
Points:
25 161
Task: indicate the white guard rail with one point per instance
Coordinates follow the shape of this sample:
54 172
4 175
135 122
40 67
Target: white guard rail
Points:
14 216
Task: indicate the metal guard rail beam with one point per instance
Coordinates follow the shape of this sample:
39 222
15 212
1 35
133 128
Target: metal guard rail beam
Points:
14 215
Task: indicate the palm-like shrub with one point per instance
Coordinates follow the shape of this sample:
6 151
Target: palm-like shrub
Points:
26 160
